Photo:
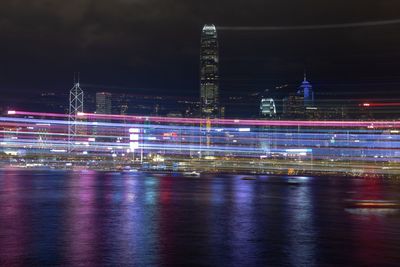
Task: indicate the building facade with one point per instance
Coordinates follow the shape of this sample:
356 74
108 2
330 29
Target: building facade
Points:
267 108
306 91
209 72
103 103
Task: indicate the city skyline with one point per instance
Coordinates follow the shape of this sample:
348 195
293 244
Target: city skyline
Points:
291 101
70 40
199 133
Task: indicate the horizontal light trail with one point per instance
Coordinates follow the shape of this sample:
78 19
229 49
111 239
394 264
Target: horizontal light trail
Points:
312 27
392 140
373 140
254 145
376 124
382 104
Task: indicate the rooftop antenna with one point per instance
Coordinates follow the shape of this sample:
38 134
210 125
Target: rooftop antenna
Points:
76 77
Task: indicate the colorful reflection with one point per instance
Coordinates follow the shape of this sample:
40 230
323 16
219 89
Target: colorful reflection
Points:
14 241
81 224
86 218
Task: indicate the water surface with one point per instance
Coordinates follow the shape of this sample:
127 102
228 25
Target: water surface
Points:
50 218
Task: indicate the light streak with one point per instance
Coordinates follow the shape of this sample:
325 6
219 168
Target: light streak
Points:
382 124
313 27
317 146
382 104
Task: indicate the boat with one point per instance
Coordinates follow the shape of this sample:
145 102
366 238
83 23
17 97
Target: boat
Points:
373 204
192 174
249 178
128 169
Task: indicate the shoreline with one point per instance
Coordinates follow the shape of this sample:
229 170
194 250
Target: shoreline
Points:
316 174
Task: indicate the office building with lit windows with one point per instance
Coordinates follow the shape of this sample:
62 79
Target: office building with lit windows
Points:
267 108
209 73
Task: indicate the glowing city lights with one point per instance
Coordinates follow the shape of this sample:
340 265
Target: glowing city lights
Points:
182 142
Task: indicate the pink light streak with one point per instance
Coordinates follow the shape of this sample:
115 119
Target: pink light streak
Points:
375 124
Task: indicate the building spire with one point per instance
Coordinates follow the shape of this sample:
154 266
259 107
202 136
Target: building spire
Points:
305 74
76 78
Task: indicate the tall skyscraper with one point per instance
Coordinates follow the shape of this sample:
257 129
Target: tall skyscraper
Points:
209 74
306 90
75 107
103 103
103 106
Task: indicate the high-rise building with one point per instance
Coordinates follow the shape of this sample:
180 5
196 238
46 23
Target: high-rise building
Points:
75 108
267 107
209 74
103 103
306 91
103 106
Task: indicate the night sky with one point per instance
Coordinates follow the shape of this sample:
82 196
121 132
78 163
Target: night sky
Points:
152 46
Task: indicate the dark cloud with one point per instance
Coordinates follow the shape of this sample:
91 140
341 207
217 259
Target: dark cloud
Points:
154 43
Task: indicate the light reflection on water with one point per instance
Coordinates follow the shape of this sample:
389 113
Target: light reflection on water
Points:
100 219
302 237
80 219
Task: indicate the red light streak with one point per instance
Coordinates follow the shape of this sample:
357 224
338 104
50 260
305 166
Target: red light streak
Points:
392 104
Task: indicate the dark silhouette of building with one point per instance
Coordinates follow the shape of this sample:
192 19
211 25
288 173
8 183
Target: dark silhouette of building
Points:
103 103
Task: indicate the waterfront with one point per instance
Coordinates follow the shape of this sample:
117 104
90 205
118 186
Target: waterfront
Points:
92 218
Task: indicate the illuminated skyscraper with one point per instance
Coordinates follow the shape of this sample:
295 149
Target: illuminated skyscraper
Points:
306 90
75 107
209 74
